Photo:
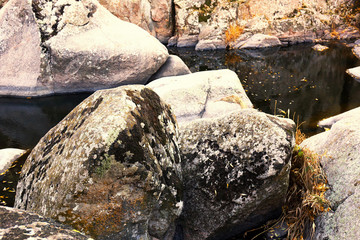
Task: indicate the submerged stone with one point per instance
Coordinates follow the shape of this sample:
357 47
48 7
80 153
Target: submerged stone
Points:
236 172
320 48
110 168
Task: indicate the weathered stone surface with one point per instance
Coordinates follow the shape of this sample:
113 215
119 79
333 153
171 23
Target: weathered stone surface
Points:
339 150
320 48
110 168
173 66
236 172
354 72
8 156
202 94
290 20
18 224
80 47
20 52
328 122
154 16
258 41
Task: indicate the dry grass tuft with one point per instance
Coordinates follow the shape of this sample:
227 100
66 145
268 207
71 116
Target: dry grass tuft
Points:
232 33
306 195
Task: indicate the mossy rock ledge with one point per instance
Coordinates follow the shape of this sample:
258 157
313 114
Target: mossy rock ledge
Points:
236 172
111 168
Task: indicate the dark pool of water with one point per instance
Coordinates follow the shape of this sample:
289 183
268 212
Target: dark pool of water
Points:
310 85
24 121
294 81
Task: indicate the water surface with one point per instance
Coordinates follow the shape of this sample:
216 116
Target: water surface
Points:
295 81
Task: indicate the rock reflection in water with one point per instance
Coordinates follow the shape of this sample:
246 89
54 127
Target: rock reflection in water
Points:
295 81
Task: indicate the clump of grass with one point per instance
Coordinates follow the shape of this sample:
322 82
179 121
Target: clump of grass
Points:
306 195
232 33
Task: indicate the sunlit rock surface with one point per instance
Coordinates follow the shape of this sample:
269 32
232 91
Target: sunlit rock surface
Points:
339 150
110 168
328 122
202 94
320 48
80 46
354 72
236 172
8 156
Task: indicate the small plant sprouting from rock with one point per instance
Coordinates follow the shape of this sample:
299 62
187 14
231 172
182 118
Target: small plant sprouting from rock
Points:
232 33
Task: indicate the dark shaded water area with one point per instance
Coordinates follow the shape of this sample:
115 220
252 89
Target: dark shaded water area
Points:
294 81
297 82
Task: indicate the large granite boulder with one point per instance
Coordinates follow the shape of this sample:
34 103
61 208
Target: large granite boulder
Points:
154 16
339 150
236 172
80 46
202 94
18 224
110 168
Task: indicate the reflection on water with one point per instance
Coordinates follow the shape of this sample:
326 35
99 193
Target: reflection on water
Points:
312 85
24 121
296 81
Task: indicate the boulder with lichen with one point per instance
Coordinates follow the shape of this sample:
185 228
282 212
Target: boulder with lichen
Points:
110 168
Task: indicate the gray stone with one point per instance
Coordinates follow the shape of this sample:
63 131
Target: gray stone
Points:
203 94
339 150
210 45
18 224
110 168
236 172
354 72
187 41
320 48
83 47
328 122
258 41
8 156
173 66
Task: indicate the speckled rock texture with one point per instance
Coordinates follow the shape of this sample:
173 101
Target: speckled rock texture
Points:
292 21
8 156
173 66
154 16
110 168
339 149
236 172
71 46
202 94
18 224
